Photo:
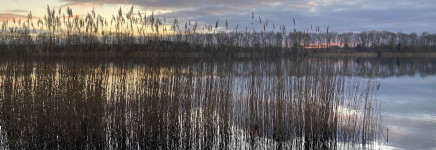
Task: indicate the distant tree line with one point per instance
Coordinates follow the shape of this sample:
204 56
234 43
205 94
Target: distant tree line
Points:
375 41
62 31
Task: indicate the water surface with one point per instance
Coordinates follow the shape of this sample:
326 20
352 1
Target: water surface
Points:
337 103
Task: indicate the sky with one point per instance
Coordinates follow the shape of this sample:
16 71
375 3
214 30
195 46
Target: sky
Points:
339 15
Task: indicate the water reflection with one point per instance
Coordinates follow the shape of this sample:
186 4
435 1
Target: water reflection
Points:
219 104
409 111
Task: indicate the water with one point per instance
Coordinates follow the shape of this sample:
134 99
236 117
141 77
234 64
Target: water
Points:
407 95
410 111
136 103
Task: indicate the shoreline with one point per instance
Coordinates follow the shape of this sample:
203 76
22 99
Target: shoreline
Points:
236 55
381 55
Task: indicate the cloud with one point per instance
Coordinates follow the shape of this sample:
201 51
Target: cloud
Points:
164 4
341 16
10 16
17 11
82 5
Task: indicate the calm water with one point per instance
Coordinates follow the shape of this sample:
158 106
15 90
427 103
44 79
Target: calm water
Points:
410 111
408 98
215 104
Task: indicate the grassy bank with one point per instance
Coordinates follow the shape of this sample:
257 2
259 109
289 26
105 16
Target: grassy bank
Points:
429 55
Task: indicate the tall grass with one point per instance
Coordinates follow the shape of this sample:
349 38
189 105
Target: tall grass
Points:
161 103
64 103
61 31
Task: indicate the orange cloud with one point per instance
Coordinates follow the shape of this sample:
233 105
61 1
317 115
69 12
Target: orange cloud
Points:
10 16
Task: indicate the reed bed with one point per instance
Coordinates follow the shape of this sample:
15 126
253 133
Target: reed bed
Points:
114 102
61 31
49 103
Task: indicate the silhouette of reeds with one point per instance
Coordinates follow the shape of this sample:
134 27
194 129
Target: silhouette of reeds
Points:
60 32
49 103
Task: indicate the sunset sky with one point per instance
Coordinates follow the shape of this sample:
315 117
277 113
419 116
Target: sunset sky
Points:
339 15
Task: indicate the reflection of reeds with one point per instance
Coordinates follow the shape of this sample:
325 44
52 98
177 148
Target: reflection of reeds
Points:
77 104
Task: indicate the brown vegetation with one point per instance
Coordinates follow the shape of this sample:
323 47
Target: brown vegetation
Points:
62 31
49 103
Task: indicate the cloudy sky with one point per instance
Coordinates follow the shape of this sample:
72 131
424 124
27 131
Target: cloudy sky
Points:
339 15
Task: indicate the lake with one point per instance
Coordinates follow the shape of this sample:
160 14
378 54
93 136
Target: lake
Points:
258 103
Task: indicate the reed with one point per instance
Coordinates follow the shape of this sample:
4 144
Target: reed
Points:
64 32
116 101
49 103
